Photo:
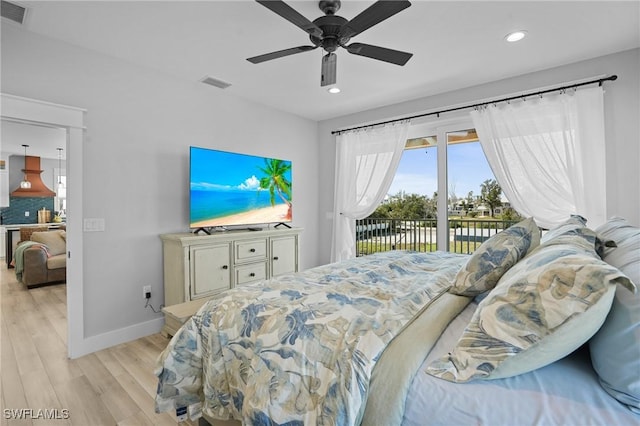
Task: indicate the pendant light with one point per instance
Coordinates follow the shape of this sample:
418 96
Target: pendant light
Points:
25 184
61 190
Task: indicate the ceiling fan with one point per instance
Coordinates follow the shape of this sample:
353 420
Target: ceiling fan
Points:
332 31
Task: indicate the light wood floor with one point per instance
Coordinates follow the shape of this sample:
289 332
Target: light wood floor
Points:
115 386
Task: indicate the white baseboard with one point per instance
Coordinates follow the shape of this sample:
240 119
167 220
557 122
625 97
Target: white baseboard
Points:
106 340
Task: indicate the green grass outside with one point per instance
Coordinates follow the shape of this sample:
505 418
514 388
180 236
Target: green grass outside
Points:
364 247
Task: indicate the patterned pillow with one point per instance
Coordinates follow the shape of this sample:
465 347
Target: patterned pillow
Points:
571 225
542 309
574 226
494 257
615 349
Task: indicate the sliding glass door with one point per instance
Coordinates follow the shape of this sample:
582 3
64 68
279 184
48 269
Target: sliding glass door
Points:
444 195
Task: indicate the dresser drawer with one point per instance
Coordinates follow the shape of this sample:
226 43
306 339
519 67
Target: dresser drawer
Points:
250 250
250 273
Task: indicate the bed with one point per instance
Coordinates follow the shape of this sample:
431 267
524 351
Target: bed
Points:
423 338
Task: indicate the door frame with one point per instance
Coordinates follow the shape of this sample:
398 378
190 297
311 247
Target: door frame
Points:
440 128
38 112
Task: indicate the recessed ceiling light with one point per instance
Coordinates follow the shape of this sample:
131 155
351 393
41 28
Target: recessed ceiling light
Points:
515 36
333 90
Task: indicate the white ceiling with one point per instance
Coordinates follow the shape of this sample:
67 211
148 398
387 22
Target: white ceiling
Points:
455 44
43 141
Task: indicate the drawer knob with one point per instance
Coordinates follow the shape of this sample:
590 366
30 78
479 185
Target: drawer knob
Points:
252 274
225 267
252 250
275 257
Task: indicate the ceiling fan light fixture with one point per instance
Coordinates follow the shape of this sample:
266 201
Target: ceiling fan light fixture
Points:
515 36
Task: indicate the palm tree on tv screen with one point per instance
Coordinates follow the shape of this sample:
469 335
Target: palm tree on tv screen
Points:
276 182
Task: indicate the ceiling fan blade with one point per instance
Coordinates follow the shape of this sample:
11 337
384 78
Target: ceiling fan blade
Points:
380 53
374 14
280 54
290 14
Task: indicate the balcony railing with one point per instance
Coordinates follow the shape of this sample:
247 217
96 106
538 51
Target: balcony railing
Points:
465 235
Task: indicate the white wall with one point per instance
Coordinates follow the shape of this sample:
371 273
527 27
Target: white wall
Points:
140 124
622 109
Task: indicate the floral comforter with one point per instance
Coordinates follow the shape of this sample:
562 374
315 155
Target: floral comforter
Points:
300 348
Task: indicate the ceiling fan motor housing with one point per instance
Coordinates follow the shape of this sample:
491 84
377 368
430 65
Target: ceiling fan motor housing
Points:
330 26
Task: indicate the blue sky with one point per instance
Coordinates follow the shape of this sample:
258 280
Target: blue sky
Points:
418 174
211 169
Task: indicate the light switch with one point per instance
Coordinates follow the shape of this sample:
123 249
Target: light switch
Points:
95 224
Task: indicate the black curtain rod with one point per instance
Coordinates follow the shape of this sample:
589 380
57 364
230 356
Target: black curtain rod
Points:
511 98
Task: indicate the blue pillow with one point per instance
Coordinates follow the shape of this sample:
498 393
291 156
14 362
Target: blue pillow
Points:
615 349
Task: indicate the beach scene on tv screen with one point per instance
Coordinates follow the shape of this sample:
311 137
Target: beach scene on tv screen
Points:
236 189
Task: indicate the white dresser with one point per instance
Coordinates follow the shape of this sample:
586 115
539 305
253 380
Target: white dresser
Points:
200 266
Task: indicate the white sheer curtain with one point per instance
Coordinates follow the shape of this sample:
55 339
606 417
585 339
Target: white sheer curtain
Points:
366 162
548 154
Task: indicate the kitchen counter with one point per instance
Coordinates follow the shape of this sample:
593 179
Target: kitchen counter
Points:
17 227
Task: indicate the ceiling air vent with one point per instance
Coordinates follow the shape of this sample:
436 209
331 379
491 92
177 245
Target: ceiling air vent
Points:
13 12
215 82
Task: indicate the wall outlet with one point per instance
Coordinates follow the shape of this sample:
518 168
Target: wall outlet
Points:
146 292
26 214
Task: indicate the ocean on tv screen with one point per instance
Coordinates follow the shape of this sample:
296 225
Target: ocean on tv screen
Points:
235 207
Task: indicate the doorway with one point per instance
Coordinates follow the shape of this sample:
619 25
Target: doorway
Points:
16 109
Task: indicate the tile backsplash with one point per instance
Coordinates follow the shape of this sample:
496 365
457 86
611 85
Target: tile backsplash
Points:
15 213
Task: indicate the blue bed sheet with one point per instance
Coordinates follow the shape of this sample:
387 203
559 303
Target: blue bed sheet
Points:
566 393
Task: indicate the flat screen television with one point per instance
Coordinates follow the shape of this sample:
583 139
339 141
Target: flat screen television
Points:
232 189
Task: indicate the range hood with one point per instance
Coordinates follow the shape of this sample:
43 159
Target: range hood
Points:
32 172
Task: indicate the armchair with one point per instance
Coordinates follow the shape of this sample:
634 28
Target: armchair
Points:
45 261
